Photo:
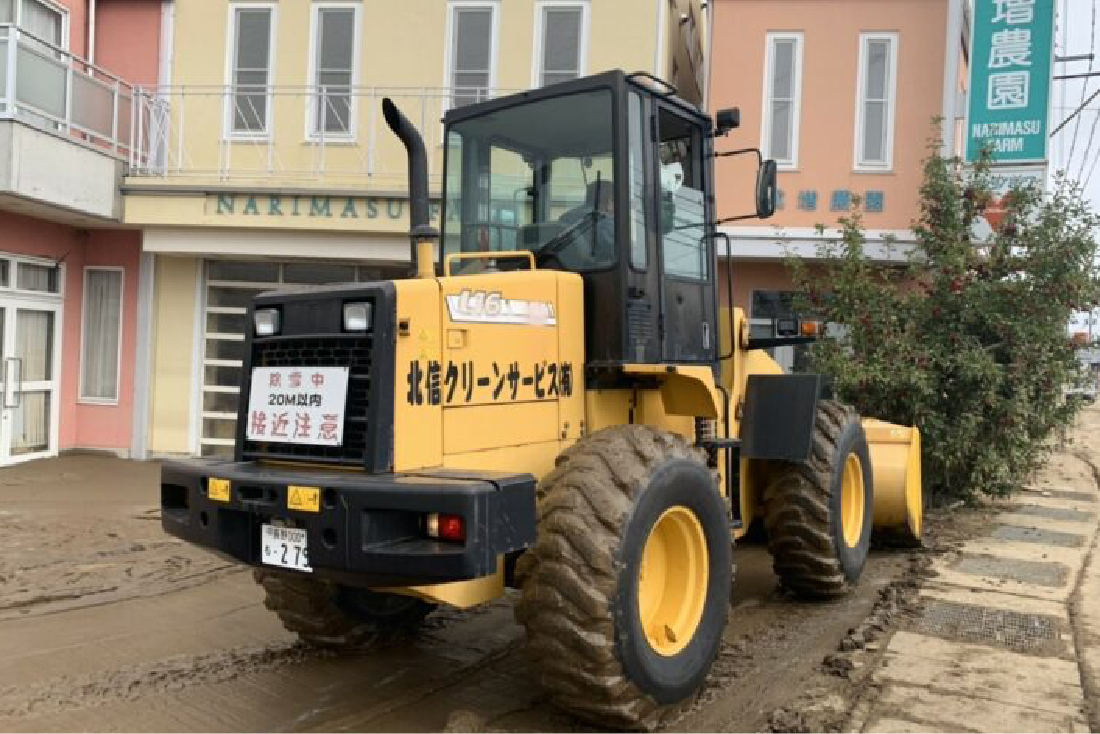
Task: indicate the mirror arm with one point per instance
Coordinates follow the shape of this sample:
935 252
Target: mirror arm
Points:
738 218
740 151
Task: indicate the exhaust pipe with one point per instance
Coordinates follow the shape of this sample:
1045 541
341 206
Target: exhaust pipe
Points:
422 235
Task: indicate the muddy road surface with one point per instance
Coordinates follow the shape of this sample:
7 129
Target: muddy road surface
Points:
107 624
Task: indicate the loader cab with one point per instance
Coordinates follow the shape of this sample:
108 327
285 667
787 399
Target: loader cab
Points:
608 177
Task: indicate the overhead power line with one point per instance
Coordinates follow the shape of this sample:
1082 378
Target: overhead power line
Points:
1074 114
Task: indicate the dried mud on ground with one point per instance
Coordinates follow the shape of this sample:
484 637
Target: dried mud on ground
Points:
107 624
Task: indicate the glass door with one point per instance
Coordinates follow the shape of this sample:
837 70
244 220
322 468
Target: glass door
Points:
28 417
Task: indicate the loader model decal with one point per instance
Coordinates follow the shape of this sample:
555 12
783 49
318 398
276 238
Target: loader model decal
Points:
456 383
490 307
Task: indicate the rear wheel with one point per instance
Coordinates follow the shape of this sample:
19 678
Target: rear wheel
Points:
818 514
329 615
625 593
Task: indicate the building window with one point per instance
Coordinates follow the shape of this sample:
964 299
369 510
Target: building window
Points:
251 61
472 51
561 41
230 287
101 337
43 20
875 112
335 49
783 97
41 278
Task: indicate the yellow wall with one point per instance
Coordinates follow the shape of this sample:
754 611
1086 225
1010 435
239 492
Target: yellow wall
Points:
402 50
171 386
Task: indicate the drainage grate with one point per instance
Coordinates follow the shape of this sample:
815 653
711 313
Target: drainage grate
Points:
1018 534
1037 634
1054 513
1068 494
1040 573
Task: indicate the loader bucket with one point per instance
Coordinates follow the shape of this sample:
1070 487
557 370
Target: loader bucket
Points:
895 465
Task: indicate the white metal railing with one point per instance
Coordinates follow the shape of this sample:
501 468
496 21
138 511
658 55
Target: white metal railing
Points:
293 133
44 85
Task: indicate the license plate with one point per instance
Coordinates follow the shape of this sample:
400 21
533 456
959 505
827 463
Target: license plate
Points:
285 547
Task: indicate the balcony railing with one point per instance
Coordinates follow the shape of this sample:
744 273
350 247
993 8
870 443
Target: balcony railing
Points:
330 134
45 86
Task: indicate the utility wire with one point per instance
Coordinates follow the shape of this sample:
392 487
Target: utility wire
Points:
1085 86
1085 183
1075 113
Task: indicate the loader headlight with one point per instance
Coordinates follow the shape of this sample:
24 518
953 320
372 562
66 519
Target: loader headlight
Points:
357 316
266 321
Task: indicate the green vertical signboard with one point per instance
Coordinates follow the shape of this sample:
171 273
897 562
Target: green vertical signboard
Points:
1010 68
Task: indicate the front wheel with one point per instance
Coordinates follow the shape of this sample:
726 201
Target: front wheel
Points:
625 593
818 514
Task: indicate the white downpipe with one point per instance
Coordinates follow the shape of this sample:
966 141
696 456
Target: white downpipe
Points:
951 76
91 31
659 47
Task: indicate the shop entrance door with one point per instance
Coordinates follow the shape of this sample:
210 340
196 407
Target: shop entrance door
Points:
29 332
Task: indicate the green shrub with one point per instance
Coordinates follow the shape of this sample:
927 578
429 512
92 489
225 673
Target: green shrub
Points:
966 341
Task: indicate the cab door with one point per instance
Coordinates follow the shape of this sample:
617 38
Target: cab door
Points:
687 292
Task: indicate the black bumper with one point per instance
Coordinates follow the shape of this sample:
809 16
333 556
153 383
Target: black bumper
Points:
368 529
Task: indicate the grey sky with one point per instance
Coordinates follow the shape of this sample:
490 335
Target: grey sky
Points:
1074 35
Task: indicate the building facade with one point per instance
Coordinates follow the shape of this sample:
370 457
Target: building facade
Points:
69 270
271 164
843 95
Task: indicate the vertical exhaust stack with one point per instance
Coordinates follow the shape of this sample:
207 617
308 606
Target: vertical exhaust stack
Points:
422 234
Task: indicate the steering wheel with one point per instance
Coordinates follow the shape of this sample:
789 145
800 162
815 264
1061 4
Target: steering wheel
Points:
563 239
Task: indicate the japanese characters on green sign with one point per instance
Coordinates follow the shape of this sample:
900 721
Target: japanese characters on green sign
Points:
1010 67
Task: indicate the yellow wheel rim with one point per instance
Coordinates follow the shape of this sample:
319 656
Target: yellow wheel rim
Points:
851 501
672 580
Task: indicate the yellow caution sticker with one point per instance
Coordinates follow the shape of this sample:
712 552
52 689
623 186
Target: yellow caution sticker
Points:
217 489
306 499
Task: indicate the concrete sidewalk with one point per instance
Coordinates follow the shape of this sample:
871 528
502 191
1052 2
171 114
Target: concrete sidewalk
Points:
1007 638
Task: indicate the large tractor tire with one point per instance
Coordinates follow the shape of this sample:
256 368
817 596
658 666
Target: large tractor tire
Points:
336 617
626 590
818 514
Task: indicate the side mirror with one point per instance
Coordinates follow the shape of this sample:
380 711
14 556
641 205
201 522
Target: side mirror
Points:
766 189
726 120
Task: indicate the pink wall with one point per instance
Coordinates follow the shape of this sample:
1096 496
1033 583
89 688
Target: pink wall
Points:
128 39
86 426
827 129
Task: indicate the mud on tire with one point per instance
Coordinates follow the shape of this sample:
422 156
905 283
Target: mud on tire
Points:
802 510
328 615
580 582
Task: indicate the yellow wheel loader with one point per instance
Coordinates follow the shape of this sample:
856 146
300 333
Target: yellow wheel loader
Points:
554 402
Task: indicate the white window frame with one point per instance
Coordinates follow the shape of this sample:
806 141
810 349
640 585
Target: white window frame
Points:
312 135
85 399
861 165
230 64
541 6
494 43
798 37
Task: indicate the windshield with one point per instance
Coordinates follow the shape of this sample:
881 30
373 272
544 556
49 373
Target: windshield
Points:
537 177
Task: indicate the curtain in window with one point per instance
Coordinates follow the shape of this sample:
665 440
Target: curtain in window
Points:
335 45
875 102
102 315
41 21
782 90
473 52
561 45
250 70
37 278
34 346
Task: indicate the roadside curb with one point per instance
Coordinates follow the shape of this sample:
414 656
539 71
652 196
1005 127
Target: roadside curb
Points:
1005 635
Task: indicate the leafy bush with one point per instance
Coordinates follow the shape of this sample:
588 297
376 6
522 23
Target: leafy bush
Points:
966 340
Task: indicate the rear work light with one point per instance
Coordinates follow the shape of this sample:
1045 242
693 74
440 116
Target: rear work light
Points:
445 527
